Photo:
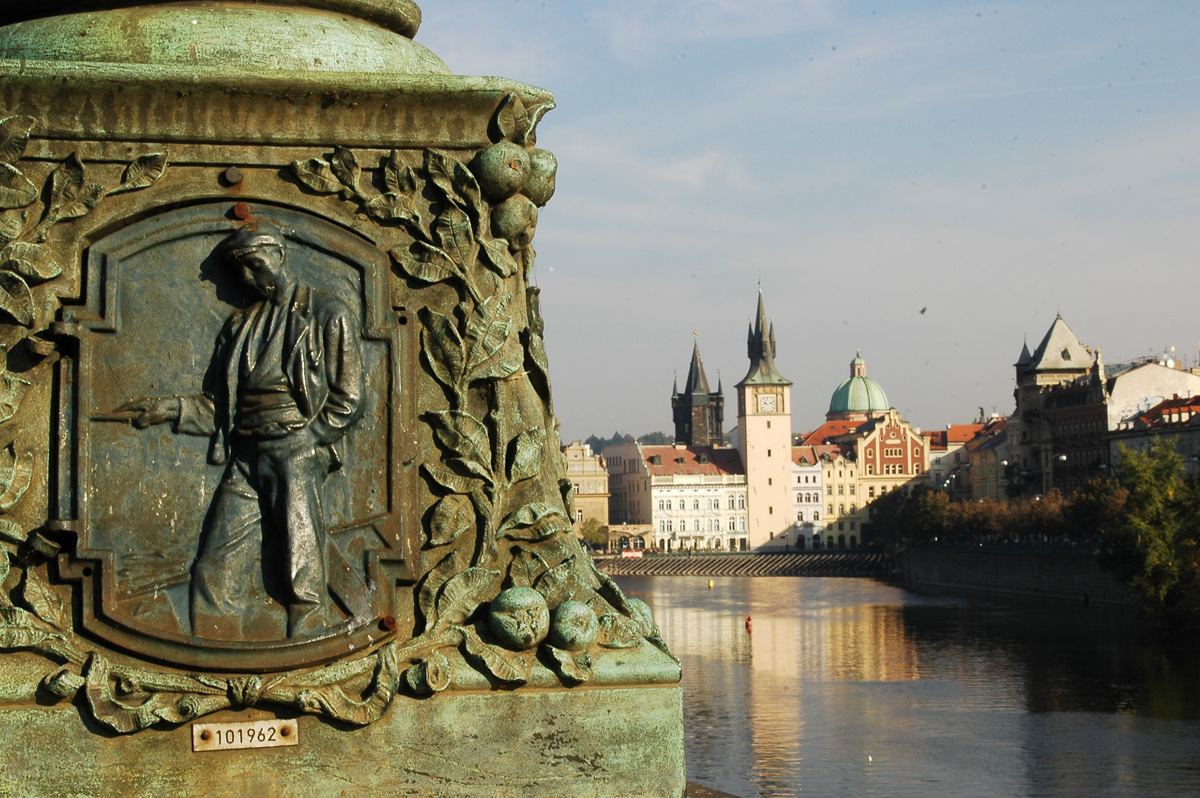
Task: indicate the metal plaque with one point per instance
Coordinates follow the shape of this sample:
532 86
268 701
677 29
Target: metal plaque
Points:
246 734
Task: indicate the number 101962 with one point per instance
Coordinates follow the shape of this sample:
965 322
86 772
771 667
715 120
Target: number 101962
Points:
246 734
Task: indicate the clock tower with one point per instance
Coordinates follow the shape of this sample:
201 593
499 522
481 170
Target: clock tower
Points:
765 436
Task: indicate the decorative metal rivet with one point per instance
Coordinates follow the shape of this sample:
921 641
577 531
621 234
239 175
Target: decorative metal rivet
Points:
242 211
232 175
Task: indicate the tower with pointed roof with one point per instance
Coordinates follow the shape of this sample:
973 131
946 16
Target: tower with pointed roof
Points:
699 413
1059 358
765 435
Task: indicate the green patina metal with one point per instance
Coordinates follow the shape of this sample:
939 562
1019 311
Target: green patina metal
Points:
353 507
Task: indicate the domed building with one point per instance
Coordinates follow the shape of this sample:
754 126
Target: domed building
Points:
859 397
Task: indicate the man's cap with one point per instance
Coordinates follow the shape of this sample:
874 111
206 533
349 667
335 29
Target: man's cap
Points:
252 237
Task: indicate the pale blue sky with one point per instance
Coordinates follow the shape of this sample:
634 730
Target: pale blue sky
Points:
993 163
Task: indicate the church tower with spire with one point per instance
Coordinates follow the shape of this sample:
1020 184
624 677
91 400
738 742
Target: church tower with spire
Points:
765 436
699 413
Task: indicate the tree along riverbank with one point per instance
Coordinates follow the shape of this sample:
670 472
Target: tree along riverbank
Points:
1143 523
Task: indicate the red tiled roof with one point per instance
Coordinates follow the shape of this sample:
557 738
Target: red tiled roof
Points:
830 429
812 454
677 462
961 433
1161 412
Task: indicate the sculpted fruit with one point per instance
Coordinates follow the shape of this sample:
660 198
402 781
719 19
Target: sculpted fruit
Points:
502 170
516 220
575 626
519 618
543 168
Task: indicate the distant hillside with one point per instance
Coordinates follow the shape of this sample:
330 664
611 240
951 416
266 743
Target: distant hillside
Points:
650 439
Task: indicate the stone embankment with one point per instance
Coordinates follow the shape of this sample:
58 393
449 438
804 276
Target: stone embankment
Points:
800 563
1004 572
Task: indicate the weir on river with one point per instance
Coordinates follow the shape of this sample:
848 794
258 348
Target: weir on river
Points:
799 563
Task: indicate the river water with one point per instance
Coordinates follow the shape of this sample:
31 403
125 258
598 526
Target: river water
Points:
852 687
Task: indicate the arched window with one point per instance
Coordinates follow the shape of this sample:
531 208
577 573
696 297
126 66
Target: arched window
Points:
669 529
741 502
830 509
660 504
841 509
696 525
668 504
853 508
742 524
731 526
730 502
662 526
816 516
695 504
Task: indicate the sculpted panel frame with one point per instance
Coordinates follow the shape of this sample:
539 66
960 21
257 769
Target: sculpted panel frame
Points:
158 290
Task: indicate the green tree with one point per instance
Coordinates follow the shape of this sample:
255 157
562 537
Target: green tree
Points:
1153 546
593 533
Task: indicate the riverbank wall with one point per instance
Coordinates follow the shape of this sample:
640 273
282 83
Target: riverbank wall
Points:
1039 573
836 563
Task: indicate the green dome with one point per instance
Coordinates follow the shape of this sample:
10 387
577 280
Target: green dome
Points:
858 393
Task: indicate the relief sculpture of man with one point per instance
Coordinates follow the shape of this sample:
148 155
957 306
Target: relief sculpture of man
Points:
284 386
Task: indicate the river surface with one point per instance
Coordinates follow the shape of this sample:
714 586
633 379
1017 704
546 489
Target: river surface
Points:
849 687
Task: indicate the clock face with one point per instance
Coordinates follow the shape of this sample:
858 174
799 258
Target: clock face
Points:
766 403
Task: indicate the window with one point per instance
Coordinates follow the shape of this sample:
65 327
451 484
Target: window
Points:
660 504
853 509
870 469
851 490
742 524
579 515
741 502
770 481
662 526
731 527
871 492
669 527
841 509
829 490
695 504
768 450
730 502
841 490
830 509
816 516
696 525
668 504
770 511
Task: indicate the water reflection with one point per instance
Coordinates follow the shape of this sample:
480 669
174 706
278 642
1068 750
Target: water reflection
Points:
850 686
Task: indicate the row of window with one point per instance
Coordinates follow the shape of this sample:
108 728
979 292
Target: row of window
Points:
892 468
714 525
710 504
